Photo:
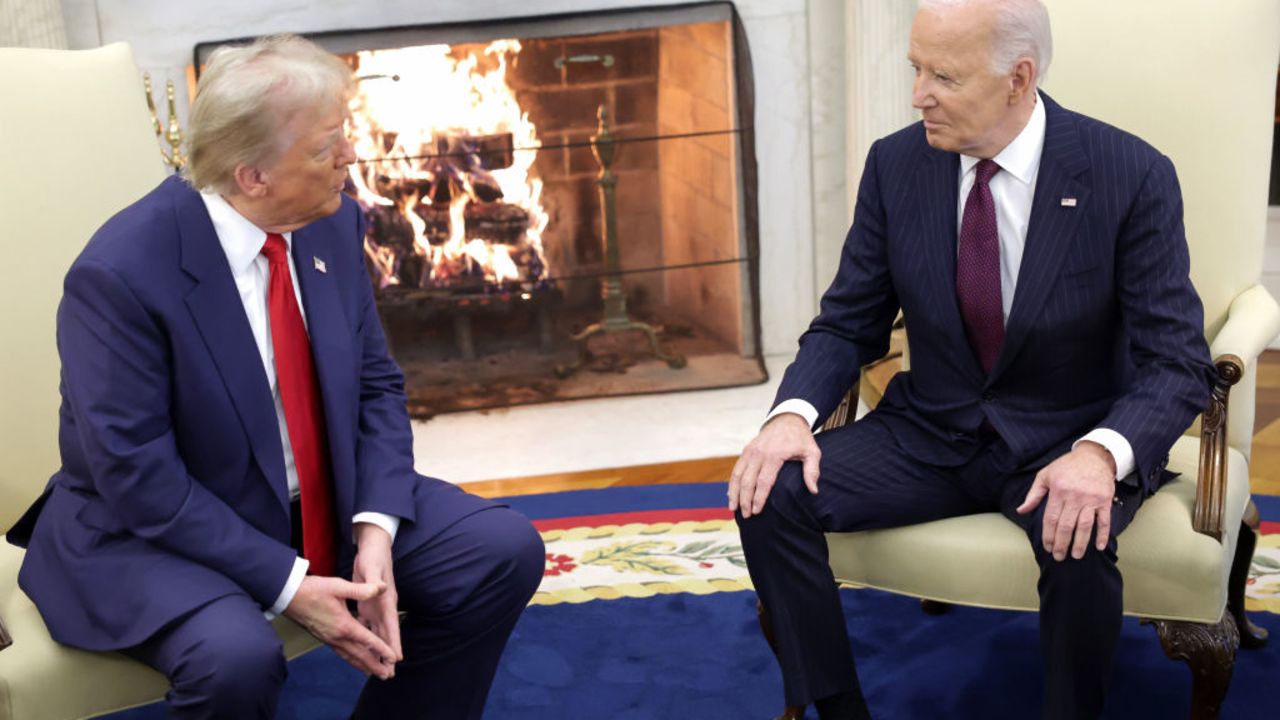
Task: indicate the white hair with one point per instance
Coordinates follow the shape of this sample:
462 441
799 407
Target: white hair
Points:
246 99
1021 29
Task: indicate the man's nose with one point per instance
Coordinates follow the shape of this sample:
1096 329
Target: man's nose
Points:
921 98
346 153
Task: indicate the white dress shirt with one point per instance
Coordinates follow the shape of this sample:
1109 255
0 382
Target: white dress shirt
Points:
1012 190
242 243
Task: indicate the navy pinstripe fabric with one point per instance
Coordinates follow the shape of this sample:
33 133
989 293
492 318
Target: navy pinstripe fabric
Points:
1105 328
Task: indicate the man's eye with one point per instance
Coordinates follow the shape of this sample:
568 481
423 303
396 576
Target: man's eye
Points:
944 79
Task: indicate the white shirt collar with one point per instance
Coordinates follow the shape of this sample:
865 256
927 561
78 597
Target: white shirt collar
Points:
1021 157
241 240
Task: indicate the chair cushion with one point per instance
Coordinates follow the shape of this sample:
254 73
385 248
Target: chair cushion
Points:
41 679
1170 571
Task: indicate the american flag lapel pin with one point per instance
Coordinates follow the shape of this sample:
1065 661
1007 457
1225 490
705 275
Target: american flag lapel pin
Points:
319 265
1068 202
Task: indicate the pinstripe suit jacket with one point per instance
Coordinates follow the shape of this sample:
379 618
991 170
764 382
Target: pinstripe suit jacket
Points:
1105 328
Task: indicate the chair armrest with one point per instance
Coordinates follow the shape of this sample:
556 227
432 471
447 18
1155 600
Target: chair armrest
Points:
1211 486
1253 321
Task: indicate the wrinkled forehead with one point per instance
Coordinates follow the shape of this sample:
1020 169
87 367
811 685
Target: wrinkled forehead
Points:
952 34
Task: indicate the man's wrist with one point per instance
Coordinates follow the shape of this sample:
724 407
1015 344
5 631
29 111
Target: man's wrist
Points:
1114 443
369 533
1097 449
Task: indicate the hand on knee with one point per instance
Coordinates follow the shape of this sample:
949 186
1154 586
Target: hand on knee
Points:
784 438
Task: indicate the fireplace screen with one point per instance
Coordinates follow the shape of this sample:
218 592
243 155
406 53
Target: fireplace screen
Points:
558 207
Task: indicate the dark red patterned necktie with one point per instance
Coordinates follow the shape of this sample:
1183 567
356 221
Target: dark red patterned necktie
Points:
303 414
978 270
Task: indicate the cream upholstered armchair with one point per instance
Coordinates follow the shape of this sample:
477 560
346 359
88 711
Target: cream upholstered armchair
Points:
1197 80
78 145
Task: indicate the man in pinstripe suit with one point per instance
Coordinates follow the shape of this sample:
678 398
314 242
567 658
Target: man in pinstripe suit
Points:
1039 261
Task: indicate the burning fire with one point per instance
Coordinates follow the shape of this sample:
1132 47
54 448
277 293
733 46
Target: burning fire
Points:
433 130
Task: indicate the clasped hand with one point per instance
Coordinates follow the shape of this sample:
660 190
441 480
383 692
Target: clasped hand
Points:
785 437
369 641
1080 487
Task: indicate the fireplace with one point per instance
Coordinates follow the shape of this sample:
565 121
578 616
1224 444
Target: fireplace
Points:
559 207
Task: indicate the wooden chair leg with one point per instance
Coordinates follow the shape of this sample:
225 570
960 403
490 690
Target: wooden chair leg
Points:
791 712
1252 637
1210 651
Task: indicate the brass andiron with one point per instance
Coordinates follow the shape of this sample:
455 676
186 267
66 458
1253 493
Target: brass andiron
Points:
604 145
173 135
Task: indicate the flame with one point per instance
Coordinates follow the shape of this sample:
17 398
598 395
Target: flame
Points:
439 96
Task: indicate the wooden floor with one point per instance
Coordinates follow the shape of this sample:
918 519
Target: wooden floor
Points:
1264 469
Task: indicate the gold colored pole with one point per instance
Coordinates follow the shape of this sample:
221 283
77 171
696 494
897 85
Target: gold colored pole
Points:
604 146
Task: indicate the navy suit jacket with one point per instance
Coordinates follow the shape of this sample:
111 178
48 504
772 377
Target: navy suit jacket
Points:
172 490
1105 330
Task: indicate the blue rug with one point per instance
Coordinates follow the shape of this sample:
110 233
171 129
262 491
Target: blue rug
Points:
702 656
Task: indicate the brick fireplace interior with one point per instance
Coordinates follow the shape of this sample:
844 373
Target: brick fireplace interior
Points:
486 245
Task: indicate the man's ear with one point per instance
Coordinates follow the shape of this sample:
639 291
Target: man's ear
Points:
1022 79
251 181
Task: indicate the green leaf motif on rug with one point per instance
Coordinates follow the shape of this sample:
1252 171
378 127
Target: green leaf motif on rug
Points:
644 556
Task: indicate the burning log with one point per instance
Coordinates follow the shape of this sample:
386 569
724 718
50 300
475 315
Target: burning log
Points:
496 222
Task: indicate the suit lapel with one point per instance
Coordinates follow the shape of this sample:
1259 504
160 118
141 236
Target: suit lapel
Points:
1051 229
327 327
937 186
213 304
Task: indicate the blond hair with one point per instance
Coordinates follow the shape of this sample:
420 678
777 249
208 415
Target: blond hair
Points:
246 99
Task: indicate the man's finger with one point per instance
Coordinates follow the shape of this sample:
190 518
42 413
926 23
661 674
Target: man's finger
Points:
1084 526
735 481
391 619
1062 536
1037 492
747 487
764 484
1104 528
359 658
358 591
1049 527
812 461
358 637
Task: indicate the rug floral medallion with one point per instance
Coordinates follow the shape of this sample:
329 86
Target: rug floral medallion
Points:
1263 589
644 559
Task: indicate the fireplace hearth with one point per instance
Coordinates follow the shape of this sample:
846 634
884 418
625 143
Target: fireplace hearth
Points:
491 245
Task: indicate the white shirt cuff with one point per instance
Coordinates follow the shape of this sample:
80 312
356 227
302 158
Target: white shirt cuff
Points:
1115 443
300 565
803 408
390 523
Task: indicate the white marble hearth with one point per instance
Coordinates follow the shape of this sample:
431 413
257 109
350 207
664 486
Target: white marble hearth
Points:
593 434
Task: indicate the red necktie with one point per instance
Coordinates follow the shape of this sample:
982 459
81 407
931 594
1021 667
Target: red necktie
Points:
978 270
303 414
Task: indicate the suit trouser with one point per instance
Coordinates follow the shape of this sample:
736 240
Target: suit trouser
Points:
868 482
461 589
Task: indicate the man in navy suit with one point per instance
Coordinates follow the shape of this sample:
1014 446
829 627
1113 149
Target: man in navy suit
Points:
1039 261
228 399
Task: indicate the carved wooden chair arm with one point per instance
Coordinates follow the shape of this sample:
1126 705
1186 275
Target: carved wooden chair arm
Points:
1211 487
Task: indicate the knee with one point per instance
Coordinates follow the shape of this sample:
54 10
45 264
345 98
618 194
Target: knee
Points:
1093 567
528 556
517 554
785 498
240 675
